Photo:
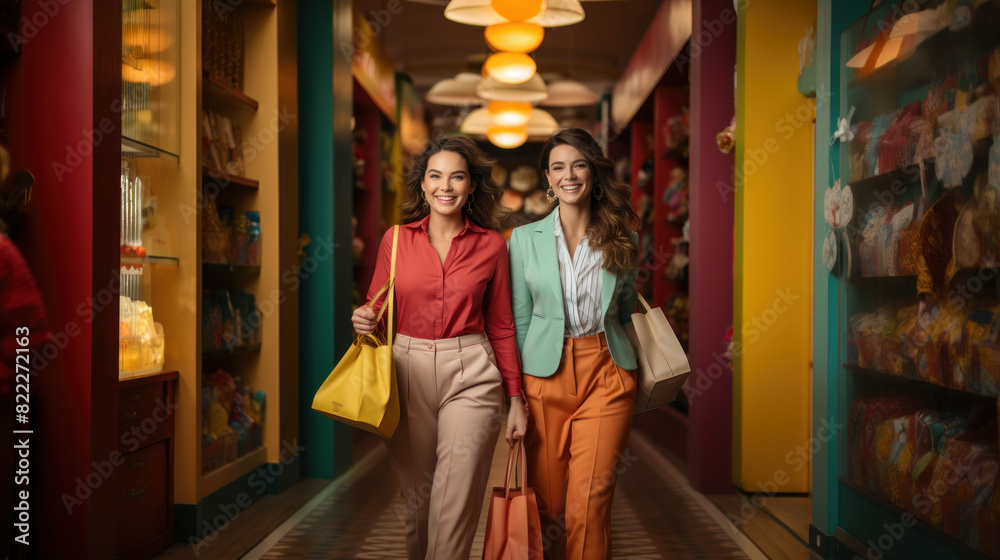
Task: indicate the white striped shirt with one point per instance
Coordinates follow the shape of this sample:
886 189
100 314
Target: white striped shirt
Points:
581 285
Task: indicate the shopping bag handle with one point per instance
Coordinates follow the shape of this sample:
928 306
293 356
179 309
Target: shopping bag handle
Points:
517 454
642 301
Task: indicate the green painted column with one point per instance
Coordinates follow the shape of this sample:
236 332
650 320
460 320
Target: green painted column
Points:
826 296
325 209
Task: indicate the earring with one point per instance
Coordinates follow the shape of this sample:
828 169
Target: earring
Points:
550 195
599 194
468 209
423 195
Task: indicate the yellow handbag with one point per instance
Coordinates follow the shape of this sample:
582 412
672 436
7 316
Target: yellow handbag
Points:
361 390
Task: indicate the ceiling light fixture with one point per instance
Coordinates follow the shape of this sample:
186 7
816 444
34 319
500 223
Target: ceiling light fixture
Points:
517 10
510 68
569 93
460 90
508 113
555 13
541 124
507 136
515 36
531 91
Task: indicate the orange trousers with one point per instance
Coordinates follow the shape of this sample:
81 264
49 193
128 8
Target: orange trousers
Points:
579 425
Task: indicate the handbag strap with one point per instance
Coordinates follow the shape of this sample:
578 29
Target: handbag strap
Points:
392 281
389 287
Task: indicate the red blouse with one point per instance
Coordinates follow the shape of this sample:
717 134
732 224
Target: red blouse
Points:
469 293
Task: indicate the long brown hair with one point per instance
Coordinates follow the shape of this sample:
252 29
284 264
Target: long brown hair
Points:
486 210
612 219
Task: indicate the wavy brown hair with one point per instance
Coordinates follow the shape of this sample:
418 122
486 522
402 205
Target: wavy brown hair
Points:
612 219
486 210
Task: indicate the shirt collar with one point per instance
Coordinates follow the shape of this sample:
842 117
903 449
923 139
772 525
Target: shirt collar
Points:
422 224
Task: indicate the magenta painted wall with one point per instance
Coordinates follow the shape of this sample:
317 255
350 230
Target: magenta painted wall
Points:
713 58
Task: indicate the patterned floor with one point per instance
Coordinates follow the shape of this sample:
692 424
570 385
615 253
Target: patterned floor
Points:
655 515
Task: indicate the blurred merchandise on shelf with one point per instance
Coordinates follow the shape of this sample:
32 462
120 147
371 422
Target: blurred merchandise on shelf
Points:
222 140
223 45
920 321
939 465
229 239
140 340
230 320
675 196
232 419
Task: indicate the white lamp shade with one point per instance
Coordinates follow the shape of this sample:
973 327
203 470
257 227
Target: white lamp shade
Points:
540 123
531 91
556 13
460 90
569 93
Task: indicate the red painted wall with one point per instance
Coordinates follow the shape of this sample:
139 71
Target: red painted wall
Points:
50 108
711 271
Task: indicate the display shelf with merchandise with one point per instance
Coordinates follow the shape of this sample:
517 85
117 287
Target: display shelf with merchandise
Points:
919 303
220 93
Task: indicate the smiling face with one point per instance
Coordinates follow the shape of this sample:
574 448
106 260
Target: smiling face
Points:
446 183
569 175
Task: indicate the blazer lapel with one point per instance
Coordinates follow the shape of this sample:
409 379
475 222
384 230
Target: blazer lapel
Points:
608 281
545 245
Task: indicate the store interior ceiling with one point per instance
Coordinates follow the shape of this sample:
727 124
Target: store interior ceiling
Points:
429 48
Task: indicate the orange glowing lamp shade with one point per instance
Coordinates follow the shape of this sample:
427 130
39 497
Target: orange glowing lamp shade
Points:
515 36
509 113
510 68
517 10
507 136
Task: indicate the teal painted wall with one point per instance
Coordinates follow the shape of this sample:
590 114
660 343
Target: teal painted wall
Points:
325 208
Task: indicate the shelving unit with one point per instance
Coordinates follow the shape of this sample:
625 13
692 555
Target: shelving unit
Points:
915 324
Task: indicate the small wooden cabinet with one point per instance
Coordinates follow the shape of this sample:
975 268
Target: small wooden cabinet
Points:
144 472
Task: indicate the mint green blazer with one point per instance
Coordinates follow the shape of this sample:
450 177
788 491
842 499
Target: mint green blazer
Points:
537 299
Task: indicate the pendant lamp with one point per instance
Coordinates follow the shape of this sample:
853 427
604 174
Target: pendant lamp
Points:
541 124
509 113
517 10
556 13
507 136
460 90
569 93
510 68
531 91
515 36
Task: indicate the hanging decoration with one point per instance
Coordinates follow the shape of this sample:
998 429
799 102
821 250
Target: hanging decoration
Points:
844 132
838 205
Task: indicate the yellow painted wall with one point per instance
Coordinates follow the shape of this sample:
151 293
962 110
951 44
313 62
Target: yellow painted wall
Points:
773 282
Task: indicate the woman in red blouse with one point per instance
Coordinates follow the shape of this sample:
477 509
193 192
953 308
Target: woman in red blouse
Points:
455 351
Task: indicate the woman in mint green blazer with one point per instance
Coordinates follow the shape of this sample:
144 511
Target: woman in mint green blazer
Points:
573 284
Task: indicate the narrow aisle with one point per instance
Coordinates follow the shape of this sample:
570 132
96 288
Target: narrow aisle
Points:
655 515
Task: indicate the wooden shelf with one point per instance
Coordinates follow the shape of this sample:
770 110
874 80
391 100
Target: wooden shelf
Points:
920 383
151 259
166 375
910 172
214 480
225 179
225 93
227 352
897 511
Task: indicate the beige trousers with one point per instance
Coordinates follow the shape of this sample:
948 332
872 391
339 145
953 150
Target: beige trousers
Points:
450 400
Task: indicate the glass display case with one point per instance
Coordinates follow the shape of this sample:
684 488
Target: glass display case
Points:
914 238
150 85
